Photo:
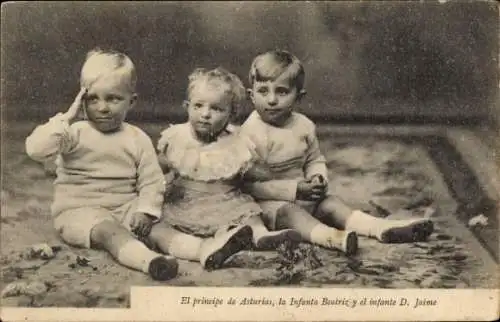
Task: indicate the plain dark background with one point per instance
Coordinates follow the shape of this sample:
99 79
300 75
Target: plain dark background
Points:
365 61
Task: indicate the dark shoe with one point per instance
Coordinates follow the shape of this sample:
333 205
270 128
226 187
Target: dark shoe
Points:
408 231
216 250
163 268
273 239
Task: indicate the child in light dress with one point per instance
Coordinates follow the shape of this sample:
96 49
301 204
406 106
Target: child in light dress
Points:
109 186
287 141
206 217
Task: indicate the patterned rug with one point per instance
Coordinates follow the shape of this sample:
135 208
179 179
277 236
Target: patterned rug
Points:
389 178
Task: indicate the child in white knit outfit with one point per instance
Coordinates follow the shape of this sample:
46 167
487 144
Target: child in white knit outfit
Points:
109 187
287 141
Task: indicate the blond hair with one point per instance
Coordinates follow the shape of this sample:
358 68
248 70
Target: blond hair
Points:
101 62
273 64
220 77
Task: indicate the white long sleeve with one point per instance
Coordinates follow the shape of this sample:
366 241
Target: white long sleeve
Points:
49 139
315 162
150 180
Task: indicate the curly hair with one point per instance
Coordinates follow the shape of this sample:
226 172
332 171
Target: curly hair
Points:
221 78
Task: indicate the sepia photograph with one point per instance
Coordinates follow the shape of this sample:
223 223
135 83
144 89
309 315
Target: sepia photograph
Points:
288 147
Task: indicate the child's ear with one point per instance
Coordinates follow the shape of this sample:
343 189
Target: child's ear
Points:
133 100
301 95
250 94
185 104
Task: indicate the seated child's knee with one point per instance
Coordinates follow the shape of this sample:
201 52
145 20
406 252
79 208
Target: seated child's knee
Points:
286 209
75 226
100 230
329 204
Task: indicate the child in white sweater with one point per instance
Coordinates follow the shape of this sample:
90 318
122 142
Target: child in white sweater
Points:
287 141
109 184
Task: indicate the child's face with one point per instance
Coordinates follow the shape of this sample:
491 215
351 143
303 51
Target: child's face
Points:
274 100
107 102
209 109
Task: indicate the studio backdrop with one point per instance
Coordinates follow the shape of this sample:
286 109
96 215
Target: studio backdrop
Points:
364 60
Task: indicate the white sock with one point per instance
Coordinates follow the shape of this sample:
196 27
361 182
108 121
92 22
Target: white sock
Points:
136 255
259 231
327 236
185 246
364 224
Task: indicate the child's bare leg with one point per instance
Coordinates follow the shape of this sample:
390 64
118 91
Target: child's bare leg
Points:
385 230
130 252
263 239
312 230
176 243
210 252
334 211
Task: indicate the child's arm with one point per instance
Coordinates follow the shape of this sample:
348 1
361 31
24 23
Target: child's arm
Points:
169 174
258 172
54 137
272 190
315 163
150 180
286 190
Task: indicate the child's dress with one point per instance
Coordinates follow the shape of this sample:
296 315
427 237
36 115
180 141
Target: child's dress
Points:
206 196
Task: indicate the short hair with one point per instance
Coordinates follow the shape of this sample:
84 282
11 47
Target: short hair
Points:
99 62
277 63
222 78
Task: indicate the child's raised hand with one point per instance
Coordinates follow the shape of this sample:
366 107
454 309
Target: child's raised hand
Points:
77 105
141 224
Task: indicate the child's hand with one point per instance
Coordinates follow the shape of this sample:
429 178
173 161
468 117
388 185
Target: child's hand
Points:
310 191
141 224
320 184
170 176
76 107
164 164
319 180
